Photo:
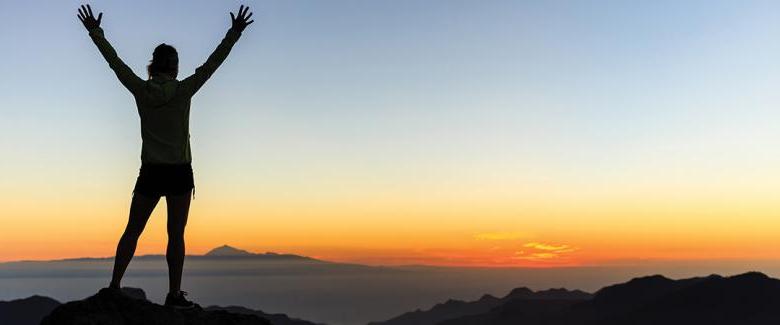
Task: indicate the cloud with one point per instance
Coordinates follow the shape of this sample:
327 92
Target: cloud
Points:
549 247
514 235
514 248
536 251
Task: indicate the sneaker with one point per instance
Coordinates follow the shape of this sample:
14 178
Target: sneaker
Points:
177 301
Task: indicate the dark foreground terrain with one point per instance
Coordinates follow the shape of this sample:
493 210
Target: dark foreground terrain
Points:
130 308
746 299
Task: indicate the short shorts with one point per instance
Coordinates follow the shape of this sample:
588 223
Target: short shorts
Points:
164 180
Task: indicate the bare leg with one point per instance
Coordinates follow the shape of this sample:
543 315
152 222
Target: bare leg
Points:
140 210
178 209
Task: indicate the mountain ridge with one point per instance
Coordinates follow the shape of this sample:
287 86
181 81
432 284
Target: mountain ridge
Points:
744 299
26 311
456 308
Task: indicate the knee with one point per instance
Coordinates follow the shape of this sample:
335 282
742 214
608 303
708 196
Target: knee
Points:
129 239
176 236
175 232
132 234
134 230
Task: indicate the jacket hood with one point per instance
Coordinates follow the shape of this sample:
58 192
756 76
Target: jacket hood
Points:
160 91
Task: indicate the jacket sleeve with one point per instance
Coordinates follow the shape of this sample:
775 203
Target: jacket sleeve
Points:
122 71
202 73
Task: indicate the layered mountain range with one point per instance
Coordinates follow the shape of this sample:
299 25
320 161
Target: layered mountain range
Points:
353 294
746 299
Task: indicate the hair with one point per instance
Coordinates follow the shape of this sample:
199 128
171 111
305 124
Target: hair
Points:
165 59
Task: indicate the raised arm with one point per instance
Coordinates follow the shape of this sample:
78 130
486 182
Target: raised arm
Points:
202 73
122 71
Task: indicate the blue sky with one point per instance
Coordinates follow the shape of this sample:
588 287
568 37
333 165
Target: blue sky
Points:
342 96
604 70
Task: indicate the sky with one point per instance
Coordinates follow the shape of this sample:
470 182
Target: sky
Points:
477 133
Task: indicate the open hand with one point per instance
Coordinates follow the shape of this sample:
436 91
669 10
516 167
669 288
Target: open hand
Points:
88 18
240 22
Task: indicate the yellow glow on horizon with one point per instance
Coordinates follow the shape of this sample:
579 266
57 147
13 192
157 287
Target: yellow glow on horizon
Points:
536 223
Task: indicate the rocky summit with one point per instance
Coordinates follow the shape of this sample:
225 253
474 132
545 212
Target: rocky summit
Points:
107 308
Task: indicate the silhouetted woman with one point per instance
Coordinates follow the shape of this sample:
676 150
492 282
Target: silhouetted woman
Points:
164 107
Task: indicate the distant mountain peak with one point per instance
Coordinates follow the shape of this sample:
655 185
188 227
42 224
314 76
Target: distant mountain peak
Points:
753 275
487 297
521 292
226 250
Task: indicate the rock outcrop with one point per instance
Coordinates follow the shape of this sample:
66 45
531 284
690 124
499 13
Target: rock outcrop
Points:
106 308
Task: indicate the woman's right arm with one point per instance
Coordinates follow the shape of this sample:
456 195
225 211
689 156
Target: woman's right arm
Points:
122 71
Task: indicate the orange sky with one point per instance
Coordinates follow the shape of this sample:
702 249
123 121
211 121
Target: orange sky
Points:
442 225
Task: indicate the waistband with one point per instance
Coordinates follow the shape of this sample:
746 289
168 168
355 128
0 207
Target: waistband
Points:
166 166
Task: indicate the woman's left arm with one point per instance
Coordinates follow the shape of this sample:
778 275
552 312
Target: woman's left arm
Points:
204 72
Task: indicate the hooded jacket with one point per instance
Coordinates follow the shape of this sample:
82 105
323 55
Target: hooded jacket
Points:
164 103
